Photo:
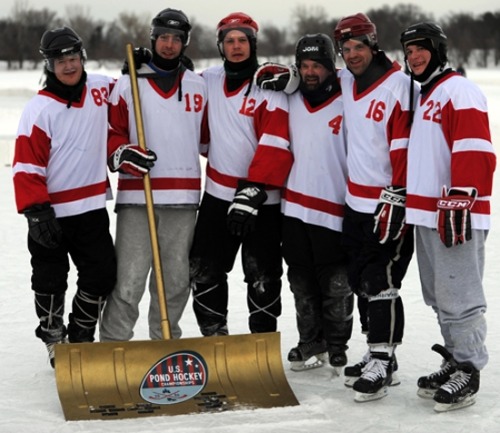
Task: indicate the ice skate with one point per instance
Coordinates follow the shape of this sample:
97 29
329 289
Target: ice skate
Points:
307 356
376 377
337 359
459 391
428 385
353 372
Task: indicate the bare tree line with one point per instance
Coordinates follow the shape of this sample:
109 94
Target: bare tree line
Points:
20 33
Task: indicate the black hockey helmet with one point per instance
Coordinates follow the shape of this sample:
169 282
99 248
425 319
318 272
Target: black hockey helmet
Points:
59 42
427 31
171 20
317 47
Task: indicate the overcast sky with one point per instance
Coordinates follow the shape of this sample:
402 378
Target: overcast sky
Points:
278 12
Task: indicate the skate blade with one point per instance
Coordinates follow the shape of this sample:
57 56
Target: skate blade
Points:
316 361
349 380
337 371
443 407
362 397
426 393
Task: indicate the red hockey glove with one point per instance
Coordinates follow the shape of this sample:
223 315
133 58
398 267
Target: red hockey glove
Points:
390 214
273 76
131 159
43 226
453 215
242 214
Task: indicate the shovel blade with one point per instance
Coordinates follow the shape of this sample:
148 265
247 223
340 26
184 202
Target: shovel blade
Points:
132 379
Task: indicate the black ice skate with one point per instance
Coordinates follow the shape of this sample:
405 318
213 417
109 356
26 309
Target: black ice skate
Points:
376 377
460 390
308 355
337 358
428 385
353 372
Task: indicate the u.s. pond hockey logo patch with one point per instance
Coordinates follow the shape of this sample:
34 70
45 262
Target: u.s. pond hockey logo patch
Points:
175 378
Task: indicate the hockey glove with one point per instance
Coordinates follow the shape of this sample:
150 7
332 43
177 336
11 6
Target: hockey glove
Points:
131 159
273 76
43 226
390 215
453 215
141 55
242 214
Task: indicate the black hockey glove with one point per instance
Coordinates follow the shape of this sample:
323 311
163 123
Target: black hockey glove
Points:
273 76
131 159
390 214
453 215
242 214
43 226
141 55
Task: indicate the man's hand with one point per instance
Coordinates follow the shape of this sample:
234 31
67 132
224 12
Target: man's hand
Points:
43 226
273 76
131 159
390 214
453 215
242 214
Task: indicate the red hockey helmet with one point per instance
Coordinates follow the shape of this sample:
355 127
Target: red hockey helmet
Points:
357 26
237 21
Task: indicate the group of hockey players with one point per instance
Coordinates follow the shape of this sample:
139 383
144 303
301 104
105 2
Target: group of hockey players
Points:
341 173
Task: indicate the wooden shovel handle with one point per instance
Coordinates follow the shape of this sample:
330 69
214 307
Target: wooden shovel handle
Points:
165 325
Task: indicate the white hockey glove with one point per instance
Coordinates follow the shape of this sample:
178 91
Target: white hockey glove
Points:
274 76
390 214
131 159
242 214
453 215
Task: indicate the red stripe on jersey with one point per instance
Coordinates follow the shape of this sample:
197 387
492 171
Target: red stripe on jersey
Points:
460 124
78 193
430 204
473 169
30 189
159 184
270 166
363 191
314 203
34 149
222 179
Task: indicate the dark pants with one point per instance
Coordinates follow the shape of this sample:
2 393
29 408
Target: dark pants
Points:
88 242
317 273
213 255
373 268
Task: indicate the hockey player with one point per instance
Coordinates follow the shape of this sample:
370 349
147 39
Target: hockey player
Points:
248 162
60 182
380 244
173 101
450 208
313 207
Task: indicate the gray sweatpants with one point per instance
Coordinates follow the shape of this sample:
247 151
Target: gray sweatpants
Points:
175 227
452 285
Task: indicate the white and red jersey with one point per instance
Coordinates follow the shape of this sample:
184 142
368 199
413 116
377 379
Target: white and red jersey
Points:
249 137
316 187
378 126
450 145
61 153
172 129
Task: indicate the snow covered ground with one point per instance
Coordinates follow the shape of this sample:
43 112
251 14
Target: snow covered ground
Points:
29 401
